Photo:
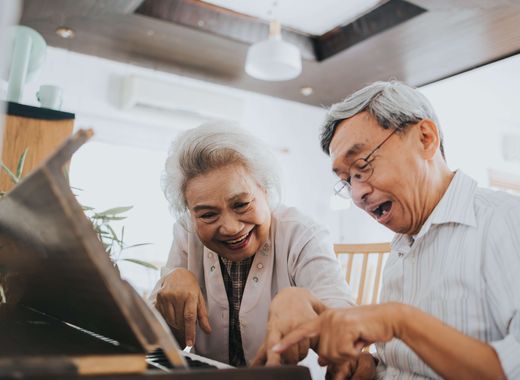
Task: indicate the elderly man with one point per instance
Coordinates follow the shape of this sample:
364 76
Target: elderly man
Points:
451 286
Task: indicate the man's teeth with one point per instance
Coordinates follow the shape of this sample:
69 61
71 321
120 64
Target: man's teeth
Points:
380 211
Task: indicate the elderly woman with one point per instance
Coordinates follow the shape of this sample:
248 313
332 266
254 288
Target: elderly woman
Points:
235 248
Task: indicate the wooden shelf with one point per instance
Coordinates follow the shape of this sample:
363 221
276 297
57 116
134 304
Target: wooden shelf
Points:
39 130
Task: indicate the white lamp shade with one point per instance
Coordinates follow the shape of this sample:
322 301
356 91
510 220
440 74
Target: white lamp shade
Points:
273 60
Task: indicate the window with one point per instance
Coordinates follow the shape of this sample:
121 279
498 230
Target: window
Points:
107 175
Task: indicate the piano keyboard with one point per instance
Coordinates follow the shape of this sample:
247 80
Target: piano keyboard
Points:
157 359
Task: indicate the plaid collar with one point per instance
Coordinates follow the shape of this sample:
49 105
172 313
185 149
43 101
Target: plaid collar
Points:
242 266
234 275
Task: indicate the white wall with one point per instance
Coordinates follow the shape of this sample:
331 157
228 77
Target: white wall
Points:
476 110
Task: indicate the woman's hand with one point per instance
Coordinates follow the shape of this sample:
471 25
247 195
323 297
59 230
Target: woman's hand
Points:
181 303
290 308
344 332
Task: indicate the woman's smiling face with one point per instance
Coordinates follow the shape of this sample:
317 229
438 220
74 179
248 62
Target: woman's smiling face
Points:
230 211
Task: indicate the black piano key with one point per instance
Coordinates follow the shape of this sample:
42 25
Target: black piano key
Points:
192 363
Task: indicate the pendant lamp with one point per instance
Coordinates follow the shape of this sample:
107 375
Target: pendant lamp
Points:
273 59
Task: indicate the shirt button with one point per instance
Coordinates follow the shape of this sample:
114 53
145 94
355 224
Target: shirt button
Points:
400 254
210 255
212 268
255 279
260 265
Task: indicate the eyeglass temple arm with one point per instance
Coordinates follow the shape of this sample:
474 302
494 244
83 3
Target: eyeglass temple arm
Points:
380 145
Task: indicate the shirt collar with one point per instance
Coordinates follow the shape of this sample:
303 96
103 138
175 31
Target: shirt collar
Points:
455 206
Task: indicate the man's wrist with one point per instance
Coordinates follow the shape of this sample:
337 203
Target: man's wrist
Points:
400 314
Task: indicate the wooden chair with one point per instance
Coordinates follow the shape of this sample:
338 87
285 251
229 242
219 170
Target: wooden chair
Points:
363 257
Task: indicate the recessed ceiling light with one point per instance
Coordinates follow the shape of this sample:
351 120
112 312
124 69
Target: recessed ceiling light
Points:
307 90
65 32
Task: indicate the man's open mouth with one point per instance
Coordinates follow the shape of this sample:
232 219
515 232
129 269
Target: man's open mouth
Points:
382 210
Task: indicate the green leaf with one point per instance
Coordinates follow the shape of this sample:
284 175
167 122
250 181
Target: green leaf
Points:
11 175
105 218
21 163
115 211
142 262
113 233
137 245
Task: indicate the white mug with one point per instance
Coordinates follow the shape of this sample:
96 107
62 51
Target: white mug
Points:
50 96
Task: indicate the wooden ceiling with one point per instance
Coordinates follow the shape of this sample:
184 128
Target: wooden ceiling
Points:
194 39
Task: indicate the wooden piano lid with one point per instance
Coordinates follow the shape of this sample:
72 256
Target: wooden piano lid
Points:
52 262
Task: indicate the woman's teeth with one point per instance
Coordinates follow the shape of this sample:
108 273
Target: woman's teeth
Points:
237 240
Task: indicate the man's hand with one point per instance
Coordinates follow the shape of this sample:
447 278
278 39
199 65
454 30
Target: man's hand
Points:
181 303
290 308
344 332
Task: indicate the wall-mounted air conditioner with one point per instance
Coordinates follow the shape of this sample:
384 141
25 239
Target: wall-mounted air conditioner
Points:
144 93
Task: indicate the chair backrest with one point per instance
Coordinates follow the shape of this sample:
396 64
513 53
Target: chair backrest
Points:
363 267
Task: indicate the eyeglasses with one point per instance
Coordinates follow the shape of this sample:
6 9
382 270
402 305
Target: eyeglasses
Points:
359 171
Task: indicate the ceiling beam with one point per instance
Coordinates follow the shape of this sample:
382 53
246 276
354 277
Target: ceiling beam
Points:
384 17
221 22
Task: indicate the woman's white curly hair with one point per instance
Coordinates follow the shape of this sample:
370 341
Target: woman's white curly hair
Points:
211 146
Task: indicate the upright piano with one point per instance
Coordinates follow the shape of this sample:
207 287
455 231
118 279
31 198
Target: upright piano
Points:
64 310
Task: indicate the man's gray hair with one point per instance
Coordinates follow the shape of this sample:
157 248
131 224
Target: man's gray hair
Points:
212 146
393 104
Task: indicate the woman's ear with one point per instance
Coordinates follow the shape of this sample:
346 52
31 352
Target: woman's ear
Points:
429 137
